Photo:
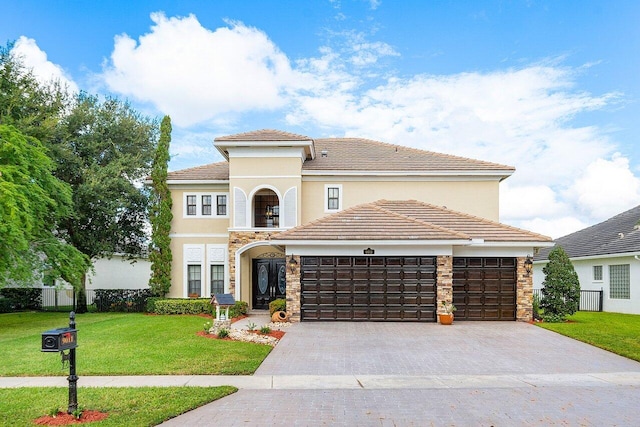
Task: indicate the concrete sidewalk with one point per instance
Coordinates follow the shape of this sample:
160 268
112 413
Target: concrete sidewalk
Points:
334 382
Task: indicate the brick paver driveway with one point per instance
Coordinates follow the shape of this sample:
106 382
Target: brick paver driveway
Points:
468 374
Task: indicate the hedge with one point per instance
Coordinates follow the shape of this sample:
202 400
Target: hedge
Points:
191 306
129 300
20 299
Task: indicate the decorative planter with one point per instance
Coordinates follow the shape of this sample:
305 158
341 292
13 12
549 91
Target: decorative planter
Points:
446 319
279 316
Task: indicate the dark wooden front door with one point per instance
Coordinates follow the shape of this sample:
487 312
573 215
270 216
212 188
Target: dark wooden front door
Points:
269 281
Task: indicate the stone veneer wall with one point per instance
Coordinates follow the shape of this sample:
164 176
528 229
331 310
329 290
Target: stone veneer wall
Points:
293 289
444 281
238 239
524 292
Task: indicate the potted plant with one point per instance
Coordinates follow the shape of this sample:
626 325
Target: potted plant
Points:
446 318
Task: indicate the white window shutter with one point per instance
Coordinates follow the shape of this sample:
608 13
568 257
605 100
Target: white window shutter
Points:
239 208
290 208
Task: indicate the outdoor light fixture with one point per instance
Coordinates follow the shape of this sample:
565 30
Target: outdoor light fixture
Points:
269 212
293 264
528 264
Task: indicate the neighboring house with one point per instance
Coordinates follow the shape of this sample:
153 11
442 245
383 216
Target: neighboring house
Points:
348 229
606 256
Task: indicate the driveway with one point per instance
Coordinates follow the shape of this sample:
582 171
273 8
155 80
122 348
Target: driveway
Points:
471 373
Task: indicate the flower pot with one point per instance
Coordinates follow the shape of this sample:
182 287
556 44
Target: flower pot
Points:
279 316
446 319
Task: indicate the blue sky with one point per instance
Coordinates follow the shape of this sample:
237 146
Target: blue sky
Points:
549 87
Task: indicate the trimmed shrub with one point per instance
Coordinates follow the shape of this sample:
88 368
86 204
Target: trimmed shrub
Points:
22 298
6 305
277 305
240 308
182 306
123 300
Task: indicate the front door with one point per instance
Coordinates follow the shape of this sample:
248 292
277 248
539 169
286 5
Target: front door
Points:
269 281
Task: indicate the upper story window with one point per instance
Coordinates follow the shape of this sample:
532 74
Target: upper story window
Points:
221 205
597 273
266 209
191 204
332 197
200 205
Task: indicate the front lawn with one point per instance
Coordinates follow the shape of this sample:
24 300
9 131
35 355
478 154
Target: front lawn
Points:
615 332
142 406
123 344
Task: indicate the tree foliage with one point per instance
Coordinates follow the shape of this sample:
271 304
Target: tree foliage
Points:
101 148
160 215
561 287
32 203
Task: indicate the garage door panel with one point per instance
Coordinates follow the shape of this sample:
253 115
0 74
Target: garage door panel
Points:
369 288
484 288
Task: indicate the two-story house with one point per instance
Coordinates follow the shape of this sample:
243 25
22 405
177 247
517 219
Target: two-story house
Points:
349 229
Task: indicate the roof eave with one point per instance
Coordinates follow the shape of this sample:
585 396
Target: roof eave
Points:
503 174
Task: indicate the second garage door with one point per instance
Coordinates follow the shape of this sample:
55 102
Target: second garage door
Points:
368 288
484 288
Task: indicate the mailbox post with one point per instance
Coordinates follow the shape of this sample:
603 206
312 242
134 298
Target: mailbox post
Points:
59 340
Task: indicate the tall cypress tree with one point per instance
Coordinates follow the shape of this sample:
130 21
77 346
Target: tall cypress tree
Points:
561 287
160 215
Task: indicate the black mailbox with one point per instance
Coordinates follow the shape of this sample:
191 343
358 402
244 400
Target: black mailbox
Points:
59 339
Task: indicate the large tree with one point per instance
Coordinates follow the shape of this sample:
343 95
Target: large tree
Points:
101 148
160 215
32 204
104 149
561 287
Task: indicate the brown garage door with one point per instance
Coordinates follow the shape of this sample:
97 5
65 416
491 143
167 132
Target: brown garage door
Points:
368 288
484 288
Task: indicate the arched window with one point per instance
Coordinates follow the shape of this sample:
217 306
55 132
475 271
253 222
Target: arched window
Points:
266 209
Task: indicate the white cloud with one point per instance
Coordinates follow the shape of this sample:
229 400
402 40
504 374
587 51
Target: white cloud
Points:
567 175
44 70
606 188
195 74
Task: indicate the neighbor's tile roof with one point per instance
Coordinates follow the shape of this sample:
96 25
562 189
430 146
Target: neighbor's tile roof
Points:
406 220
357 154
212 172
264 135
617 235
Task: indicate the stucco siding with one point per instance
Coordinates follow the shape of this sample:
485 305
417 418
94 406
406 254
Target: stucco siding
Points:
479 198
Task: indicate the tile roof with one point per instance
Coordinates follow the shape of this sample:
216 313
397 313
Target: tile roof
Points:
617 235
406 220
369 222
357 154
474 226
212 172
264 135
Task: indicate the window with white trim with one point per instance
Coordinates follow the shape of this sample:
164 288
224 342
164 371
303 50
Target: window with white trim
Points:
597 273
194 275
217 279
200 205
221 204
206 204
191 205
619 281
332 197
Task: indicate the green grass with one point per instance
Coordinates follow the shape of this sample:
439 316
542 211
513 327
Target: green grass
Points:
143 406
123 344
614 332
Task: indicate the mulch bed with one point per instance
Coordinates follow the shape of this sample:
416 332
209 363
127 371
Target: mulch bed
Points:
63 419
275 334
